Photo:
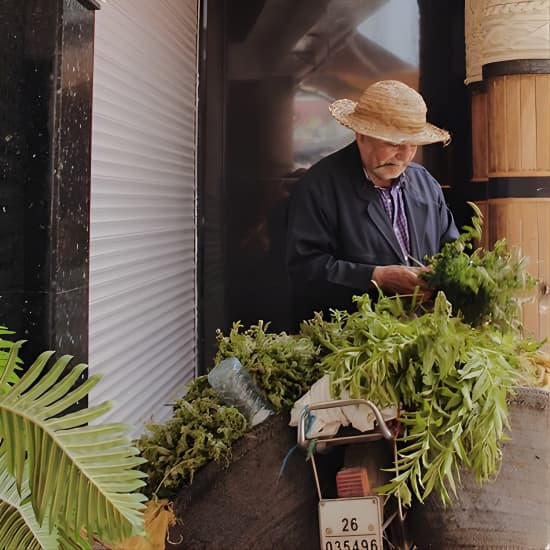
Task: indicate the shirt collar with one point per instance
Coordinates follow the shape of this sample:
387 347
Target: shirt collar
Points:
400 182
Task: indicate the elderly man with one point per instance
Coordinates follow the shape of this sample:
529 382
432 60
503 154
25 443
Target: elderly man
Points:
366 214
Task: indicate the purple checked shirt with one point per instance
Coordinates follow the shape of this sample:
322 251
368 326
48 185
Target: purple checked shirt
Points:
392 199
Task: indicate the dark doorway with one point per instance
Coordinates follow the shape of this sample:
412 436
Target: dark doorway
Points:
270 69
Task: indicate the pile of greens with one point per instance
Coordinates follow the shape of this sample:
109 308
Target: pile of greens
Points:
284 366
451 379
450 368
203 428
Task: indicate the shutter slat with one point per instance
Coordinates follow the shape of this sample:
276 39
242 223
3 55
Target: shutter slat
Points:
143 206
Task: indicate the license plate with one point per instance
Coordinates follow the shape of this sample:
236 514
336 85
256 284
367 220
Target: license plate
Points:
351 523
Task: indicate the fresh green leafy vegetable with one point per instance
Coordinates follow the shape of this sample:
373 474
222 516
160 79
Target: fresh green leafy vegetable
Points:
451 379
284 366
482 285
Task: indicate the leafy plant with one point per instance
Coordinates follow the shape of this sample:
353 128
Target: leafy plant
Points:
5 347
284 366
482 285
451 379
19 527
202 429
58 473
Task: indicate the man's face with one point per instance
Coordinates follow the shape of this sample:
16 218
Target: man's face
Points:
384 161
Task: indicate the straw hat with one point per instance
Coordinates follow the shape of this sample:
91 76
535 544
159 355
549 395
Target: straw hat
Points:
391 111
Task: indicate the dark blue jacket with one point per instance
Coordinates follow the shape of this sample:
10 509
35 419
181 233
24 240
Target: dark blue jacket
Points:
338 231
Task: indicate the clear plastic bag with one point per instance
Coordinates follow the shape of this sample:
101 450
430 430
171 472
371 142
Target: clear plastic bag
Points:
236 387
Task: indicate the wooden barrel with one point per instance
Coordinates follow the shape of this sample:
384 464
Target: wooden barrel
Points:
511 513
519 170
510 180
508 77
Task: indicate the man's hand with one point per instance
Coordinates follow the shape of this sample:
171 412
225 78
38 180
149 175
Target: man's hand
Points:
400 279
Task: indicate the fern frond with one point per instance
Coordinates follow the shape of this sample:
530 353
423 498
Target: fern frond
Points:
81 474
7 349
70 540
18 525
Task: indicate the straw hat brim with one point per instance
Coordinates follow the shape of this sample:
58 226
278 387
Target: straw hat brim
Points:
343 110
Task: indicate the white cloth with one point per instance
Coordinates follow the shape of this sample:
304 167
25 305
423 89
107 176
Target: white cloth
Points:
327 422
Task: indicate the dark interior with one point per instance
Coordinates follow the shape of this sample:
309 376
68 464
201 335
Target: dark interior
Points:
269 70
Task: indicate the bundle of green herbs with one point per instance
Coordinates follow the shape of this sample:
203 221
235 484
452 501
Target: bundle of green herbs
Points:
201 429
284 366
482 285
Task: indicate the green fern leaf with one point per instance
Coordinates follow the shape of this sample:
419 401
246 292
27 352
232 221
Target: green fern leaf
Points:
7 349
18 525
81 473
69 540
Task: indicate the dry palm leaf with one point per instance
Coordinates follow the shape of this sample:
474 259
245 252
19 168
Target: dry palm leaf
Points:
538 370
158 517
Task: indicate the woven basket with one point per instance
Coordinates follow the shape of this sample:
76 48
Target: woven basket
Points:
513 512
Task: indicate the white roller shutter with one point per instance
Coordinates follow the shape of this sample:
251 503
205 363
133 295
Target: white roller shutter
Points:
143 206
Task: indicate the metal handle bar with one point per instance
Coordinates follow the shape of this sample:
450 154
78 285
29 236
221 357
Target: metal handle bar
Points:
383 429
